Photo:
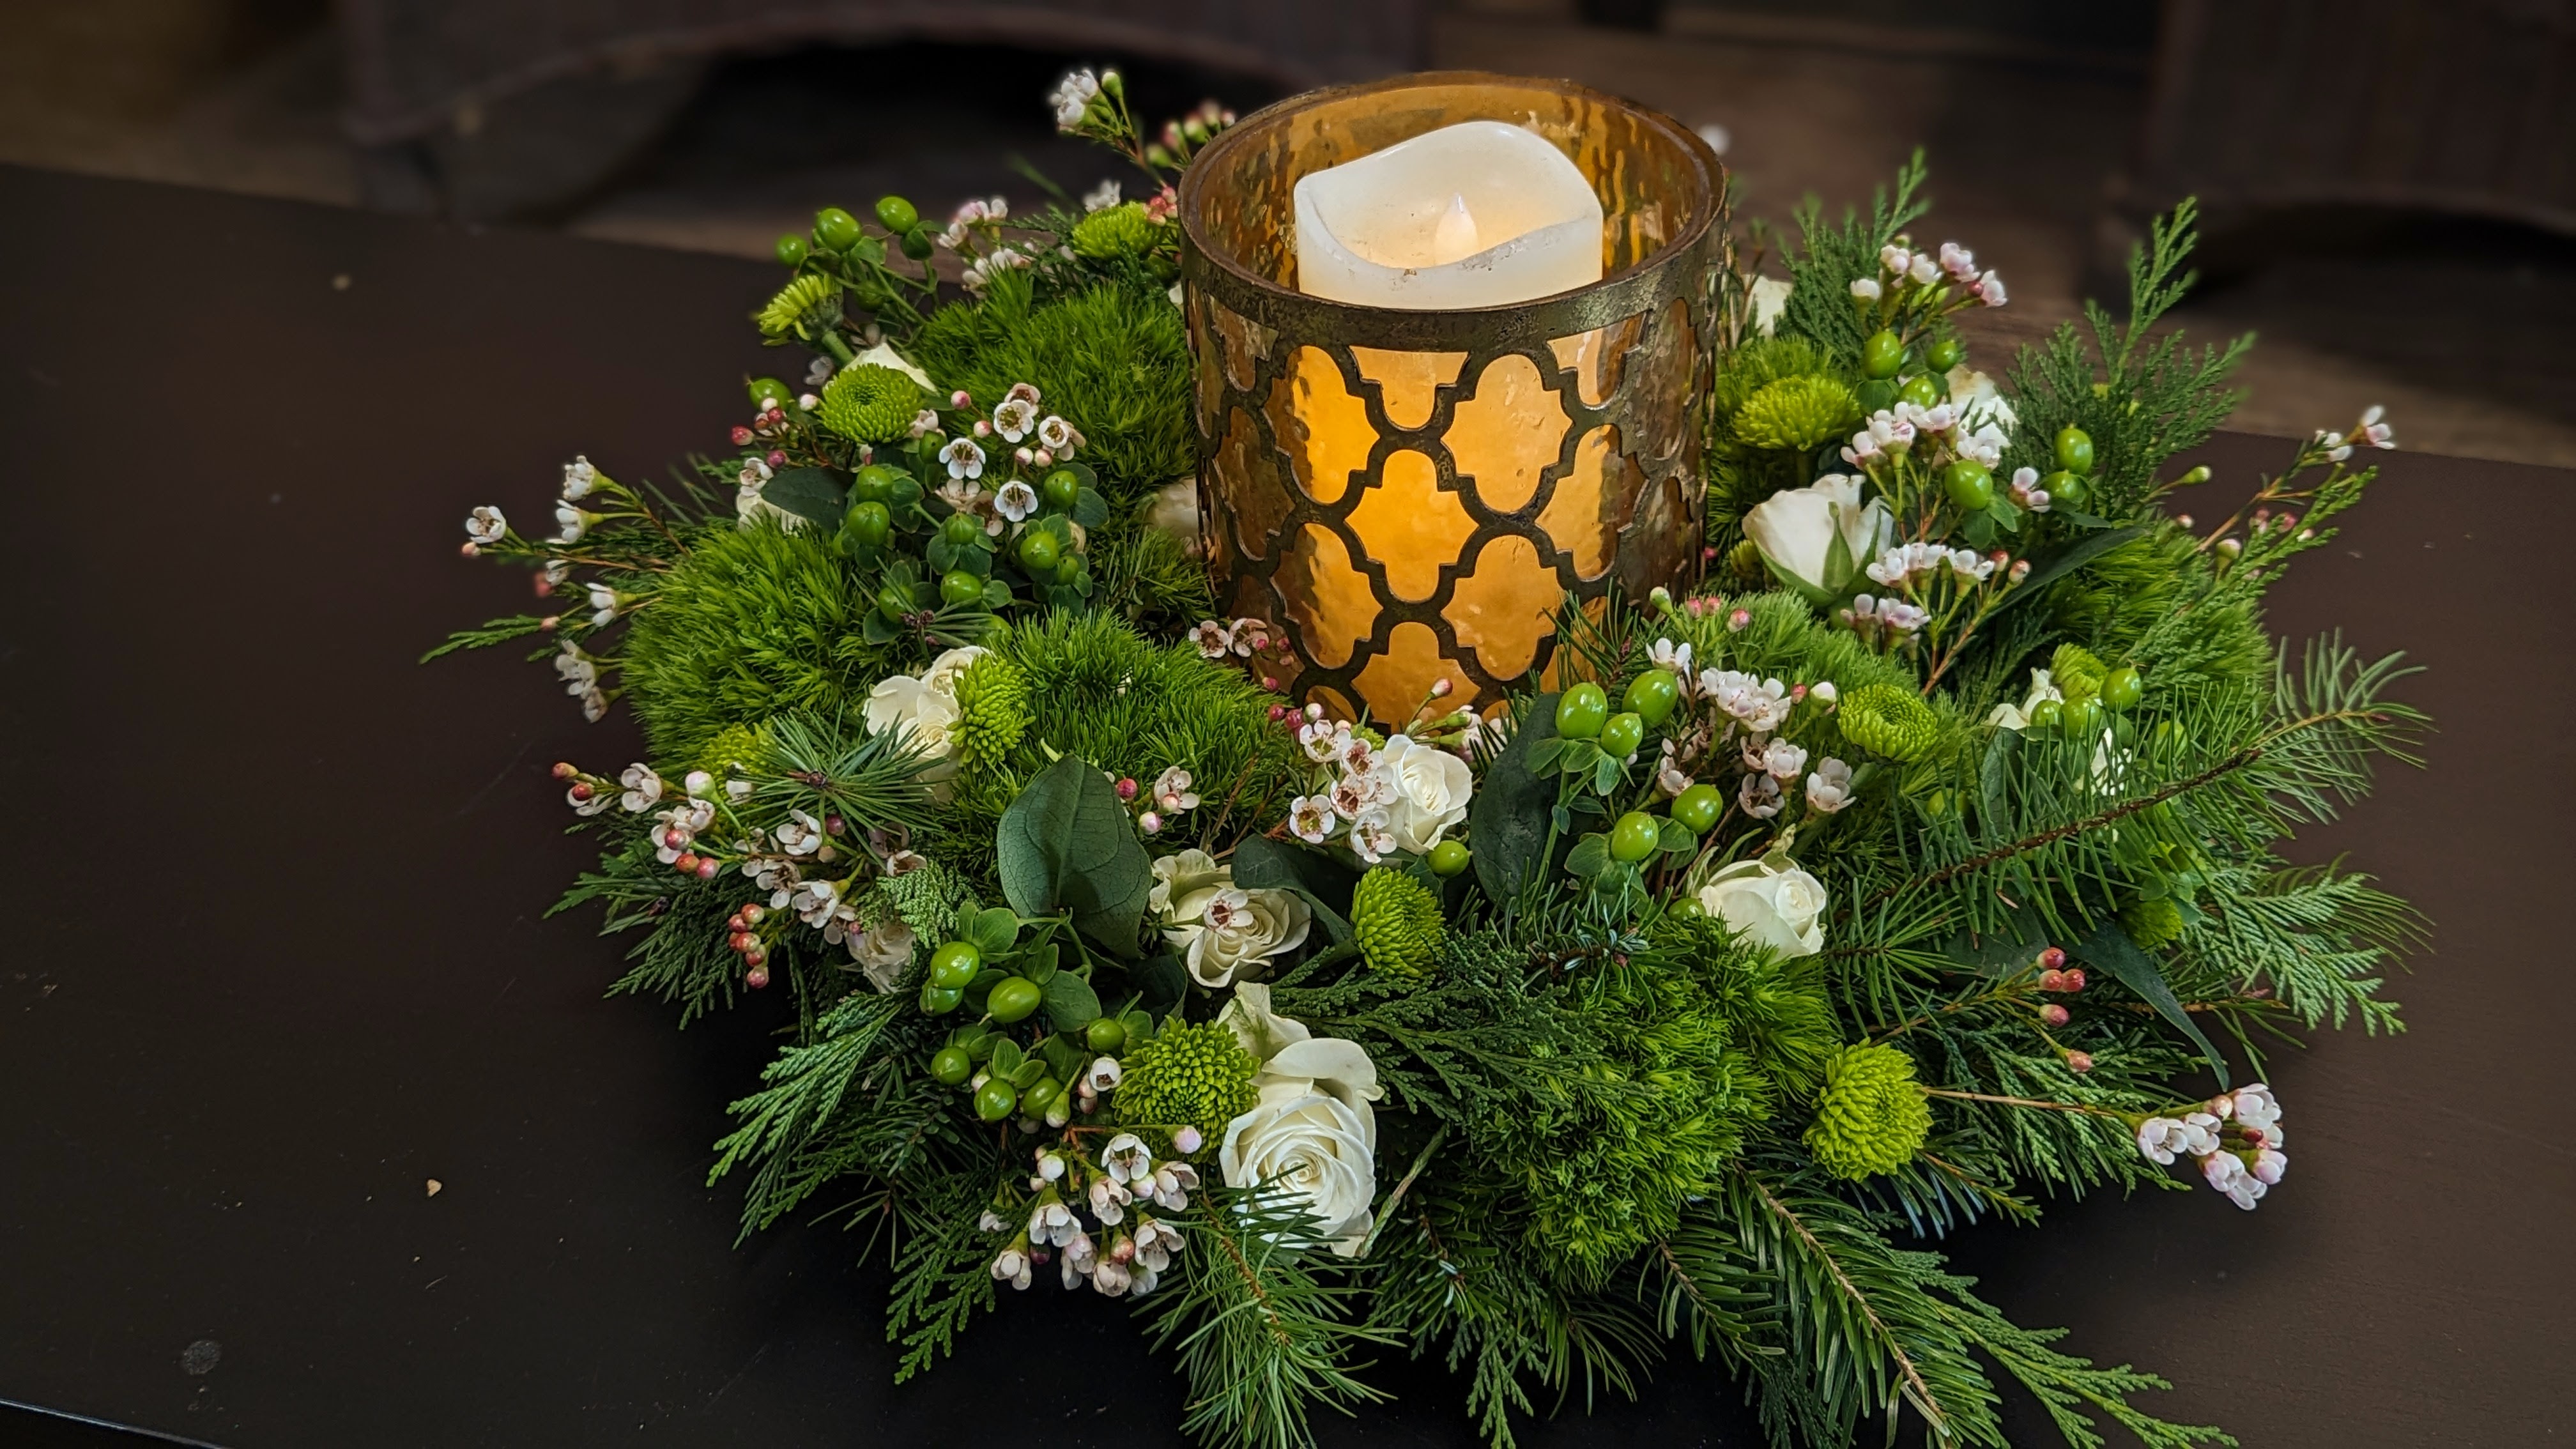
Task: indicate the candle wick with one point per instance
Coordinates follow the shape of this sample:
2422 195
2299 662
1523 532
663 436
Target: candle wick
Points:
1455 236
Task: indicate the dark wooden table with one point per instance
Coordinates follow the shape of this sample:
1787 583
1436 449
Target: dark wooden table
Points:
269 895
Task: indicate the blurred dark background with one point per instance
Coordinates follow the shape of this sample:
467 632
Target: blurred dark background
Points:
2391 184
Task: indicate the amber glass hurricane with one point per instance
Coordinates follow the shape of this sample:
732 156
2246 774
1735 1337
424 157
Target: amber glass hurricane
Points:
1410 495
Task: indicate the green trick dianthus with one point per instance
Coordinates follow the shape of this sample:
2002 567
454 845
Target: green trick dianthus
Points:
1397 920
1890 720
805 307
1796 413
1872 1117
992 712
869 404
1192 1073
1116 231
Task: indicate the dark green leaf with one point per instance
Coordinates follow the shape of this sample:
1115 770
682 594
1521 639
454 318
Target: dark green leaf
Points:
1006 1057
1070 1003
1322 881
1161 982
1090 510
811 493
1590 856
1993 799
1066 844
2111 949
1675 838
2065 559
992 930
1065 1053
1510 817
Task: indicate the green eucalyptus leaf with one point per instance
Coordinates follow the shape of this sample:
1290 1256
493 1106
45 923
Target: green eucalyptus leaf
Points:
1071 1004
2065 559
1064 1051
1590 856
1040 966
992 929
1091 510
1006 1057
1067 845
1026 1074
809 493
1675 838
1314 876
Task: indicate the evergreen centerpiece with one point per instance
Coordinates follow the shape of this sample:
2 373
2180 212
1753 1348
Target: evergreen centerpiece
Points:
1897 878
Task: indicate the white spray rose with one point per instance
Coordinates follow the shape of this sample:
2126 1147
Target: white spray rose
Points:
1428 791
1816 537
1225 932
884 355
1313 1132
924 708
1770 902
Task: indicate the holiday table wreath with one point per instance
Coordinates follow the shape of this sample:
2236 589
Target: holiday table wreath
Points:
1886 867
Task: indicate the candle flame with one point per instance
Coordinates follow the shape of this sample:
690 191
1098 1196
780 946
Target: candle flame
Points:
1455 236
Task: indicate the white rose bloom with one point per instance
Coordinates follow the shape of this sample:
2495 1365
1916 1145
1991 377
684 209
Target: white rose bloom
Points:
1224 932
883 952
884 355
1312 1131
925 715
941 677
1770 299
1773 905
1426 794
1797 529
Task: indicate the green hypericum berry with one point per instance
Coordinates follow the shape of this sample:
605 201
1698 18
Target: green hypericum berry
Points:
1652 696
960 529
1192 1073
2046 715
791 250
1686 908
896 214
1970 486
1698 807
939 1000
1871 1117
1881 355
992 711
769 392
1635 836
958 587
950 1066
2083 718
2076 672
1890 720
1449 858
871 524
1796 413
1396 920
894 600
869 404
1116 231
1945 354
1040 551
1582 711
1040 1096
1920 390
875 483
2122 688
2074 449
1105 1035
918 244
996 1099
2066 490
1622 734
807 306
1014 999
1061 490
836 229
954 965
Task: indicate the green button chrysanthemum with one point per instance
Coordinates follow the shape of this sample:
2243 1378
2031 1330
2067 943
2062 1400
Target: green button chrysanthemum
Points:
1115 231
1796 413
992 712
870 404
1890 720
806 307
734 745
1397 920
2076 672
1192 1073
1872 1117
2152 922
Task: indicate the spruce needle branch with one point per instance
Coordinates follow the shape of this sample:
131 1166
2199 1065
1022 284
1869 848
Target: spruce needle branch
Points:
1920 1392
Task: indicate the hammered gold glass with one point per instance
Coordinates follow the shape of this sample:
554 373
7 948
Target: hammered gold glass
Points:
1408 495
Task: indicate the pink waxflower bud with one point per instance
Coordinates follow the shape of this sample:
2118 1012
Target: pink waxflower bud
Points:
2075 979
1736 622
1278 712
2019 571
2079 1062
737 942
707 868
1127 787
758 955
2053 1014
687 864
755 912
548 623
983 429
468 549
741 436
1187 1140
1150 823
2052 958
2052 981
1271 682
960 398
564 770
834 825
777 459
580 790
756 978
1441 687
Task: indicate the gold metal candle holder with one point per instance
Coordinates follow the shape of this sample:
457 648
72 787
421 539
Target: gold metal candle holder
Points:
1407 495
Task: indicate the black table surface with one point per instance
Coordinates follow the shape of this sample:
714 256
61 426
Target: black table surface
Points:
273 956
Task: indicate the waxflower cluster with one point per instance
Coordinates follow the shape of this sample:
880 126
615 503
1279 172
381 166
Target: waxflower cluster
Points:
1078 1196
2234 1137
1396 795
1734 728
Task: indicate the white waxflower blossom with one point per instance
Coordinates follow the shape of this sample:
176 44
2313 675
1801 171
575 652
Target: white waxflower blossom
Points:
1924 269
2226 1172
1370 839
603 606
643 787
1216 640
1895 259
802 834
1866 289
2374 431
1759 796
1071 99
1012 1267
1665 654
2161 1140
2270 1165
598 801
1779 759
1058 436
485 525
753 475
594 705
571 523
1172 791
1823 692
963 457
1014 418
1988 289
1959 262
1127 1159
1102 1075
1015 500
579 477
1101 197
1310 818
1829 789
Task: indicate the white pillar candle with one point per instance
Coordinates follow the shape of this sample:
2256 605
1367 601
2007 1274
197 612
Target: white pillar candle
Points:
1474 215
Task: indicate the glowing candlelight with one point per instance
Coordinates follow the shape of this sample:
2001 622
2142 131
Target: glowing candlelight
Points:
1475 215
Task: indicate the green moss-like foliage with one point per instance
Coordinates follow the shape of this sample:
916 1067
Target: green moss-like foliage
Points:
1191 1074
1099 690
1603 1173
2129 604
992 712
749 623
1759 363
804 307
1796 414
1776 1006
1148 575
1783 639
2152 921
1872 1117
869 404
1113 360
1397 921
1890 721
1116 231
